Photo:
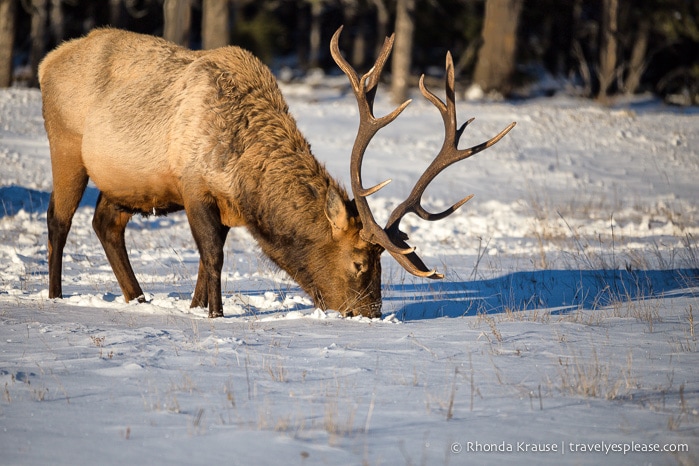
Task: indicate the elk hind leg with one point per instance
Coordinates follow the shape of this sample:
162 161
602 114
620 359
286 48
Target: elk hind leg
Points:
69 183
109 223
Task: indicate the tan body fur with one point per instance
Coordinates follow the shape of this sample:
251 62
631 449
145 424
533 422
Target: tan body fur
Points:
159 128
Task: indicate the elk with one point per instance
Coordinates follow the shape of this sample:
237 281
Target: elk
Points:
159 128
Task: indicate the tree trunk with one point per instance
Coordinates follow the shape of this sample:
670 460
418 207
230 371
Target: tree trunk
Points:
402 50
214 27
496 58
637 65
467 57
352 11
382 19
56 22
38 38
177 17
315 35
115 13
608 47
359 47
7 34
300 38
576 49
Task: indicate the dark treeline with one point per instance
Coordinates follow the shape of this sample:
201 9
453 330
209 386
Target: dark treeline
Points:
595 48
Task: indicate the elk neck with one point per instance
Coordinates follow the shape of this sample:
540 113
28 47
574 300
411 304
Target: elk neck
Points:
277 186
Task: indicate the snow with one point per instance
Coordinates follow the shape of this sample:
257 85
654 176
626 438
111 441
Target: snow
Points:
564 332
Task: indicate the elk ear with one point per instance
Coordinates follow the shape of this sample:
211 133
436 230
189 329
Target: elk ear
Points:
336 212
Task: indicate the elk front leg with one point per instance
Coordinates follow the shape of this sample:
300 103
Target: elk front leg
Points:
110 223
201 295
210 236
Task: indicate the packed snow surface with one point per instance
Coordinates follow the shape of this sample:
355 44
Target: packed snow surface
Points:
563 333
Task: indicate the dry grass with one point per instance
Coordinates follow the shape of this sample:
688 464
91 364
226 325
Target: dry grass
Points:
589 377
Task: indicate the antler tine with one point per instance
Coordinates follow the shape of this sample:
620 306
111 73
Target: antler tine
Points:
448 154
374 74
413 264
364 90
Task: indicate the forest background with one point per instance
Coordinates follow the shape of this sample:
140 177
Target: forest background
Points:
598 49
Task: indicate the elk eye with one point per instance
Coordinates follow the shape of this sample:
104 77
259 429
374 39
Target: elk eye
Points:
358 268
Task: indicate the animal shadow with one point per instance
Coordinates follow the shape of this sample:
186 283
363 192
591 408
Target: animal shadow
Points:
560 291
14 199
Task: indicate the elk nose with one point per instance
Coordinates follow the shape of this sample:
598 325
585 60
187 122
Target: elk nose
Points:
375 310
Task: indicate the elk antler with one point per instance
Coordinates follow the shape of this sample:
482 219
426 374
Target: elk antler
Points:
365 90
390 237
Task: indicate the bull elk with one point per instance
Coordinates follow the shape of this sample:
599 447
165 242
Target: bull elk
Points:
159 128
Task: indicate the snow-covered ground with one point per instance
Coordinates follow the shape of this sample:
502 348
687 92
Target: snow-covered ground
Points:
566 322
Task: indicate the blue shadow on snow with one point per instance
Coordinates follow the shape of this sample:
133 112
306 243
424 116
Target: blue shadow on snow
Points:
16 198
560 291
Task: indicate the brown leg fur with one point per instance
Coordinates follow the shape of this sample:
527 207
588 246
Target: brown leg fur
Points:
210 236
69 183
109 224
201 295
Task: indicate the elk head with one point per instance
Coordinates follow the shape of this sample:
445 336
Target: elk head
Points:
348 275
390 237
